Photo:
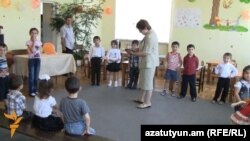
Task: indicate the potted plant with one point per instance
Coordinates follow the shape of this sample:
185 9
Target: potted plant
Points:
78 55
85 18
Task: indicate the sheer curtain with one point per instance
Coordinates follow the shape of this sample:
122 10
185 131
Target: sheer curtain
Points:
129 12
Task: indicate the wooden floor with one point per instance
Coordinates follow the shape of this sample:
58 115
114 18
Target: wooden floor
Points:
207 94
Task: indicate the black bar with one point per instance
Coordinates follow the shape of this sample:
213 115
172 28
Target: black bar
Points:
201 132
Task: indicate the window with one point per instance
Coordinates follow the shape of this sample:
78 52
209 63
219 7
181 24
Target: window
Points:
129 12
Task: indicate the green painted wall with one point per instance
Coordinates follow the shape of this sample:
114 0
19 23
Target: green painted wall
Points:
212 44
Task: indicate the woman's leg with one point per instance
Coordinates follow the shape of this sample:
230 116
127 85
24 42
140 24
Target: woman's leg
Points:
148 97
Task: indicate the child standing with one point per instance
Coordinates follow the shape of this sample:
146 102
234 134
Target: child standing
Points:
96 56
44 107
190 64
242 87
134 66
34 62
174 62
4 73
75 110
114 59
225 71
16 101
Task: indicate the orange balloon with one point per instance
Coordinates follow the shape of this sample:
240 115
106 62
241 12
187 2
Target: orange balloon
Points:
35 3
49 48
6 3
246 14
108 10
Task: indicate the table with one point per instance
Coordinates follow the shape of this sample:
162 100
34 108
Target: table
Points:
53 65
210 66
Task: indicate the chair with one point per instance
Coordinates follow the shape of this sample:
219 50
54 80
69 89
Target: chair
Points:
200 80
125 73
49 48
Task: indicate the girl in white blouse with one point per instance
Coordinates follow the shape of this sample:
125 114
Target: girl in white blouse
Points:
47 116
114 59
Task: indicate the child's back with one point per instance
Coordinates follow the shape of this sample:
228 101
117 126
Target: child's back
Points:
45 106
16 101
75 110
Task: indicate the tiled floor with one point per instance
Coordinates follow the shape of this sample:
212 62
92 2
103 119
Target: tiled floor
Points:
206 94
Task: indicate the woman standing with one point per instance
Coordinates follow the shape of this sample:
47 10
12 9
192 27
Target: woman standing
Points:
149 60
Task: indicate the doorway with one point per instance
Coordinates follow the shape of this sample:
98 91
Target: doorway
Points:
47 35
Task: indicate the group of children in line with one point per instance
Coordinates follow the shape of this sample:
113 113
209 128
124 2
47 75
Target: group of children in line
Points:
113 57
174 63
225 71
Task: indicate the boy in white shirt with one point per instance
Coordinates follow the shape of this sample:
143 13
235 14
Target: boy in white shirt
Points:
225 71
96 56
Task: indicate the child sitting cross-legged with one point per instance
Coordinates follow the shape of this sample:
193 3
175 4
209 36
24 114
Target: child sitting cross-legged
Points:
47 115
75 110
16 101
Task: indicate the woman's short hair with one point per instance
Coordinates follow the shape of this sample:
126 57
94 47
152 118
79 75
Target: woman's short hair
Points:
143 24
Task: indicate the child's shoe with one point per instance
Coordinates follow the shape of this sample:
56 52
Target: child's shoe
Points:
221 102
164 92
110 84
173 94
116 84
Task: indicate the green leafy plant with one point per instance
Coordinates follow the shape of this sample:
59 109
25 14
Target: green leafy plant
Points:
78 54
85 18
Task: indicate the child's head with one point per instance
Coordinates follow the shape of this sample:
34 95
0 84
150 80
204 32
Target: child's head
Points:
190 49
227 57
45 87
135 44
15 82
246 73
33 32
114 43
72 85
175 45
3 49
97 41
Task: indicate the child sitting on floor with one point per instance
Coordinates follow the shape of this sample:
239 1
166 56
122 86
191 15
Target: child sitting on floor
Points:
75 110
241 117
16 101
47 115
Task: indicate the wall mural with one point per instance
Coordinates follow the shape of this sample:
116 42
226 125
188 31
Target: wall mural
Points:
218 23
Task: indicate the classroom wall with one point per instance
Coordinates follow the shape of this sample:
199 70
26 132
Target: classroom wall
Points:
212 44
17 22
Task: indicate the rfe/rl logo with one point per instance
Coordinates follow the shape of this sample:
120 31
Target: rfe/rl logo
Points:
14 125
